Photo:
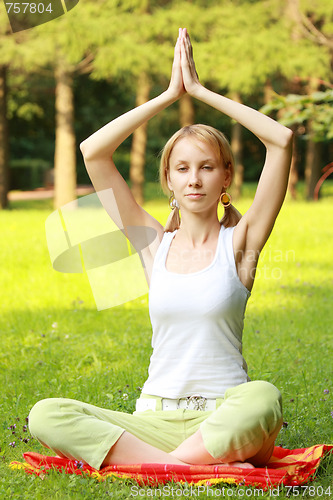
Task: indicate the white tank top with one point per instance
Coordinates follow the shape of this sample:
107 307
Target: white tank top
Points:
197 321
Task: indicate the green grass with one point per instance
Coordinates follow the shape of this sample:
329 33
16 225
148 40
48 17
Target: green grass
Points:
55 342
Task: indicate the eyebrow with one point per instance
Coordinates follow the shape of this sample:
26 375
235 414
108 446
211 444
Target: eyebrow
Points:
203 161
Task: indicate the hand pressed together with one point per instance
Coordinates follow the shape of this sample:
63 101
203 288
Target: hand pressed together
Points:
190 76
184 77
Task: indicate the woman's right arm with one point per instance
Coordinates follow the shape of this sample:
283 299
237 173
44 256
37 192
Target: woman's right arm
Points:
99 148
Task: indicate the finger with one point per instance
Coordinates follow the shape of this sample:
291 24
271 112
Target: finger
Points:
189 45
178 41
187 37
187 49
189 58
189 52
184 57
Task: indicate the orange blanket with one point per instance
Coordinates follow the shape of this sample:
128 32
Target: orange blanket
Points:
287 467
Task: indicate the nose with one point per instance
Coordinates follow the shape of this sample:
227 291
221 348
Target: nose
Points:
194 178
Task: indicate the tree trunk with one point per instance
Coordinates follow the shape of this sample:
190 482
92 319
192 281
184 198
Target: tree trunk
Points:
65 144
292 13
268 91
4 147
293 176
186 111
313 166
139 142
237 149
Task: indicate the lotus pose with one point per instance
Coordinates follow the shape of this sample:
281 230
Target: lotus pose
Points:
198 405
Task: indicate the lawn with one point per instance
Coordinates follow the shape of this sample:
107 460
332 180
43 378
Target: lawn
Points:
56 343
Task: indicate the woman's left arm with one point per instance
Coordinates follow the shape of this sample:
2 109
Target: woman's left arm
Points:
272 186
256 225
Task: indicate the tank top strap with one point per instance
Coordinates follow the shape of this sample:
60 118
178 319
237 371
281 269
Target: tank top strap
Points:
163 249
225 248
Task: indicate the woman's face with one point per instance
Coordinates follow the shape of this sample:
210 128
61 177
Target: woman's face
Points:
196 175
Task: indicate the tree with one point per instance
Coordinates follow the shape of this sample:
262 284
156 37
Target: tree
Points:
133 54
4 149
310 53
186 111
314 113
132 42
65 143
7 51
139 142
65 51
14 57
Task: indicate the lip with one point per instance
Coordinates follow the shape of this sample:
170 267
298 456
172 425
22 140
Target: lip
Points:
195 196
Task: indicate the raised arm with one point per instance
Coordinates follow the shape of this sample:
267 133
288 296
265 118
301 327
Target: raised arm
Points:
256 225
99 148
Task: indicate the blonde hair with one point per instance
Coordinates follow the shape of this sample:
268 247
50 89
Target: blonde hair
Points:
221 147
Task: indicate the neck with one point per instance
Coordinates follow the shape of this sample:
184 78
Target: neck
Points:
198 228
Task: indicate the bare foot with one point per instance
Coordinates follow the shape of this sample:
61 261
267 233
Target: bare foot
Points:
241 465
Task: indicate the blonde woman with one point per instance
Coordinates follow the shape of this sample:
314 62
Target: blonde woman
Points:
197 405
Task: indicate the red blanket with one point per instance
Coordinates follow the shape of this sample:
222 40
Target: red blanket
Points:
287 467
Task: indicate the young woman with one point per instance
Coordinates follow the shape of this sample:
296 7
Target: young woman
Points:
198 405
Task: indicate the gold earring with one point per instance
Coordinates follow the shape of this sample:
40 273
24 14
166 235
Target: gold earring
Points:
225 200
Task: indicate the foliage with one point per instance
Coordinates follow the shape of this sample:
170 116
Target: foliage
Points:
239 46
298 109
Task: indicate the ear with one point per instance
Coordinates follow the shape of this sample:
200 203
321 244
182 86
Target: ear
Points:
168 180
227 180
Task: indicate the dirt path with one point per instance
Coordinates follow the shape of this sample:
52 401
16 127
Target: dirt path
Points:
43 193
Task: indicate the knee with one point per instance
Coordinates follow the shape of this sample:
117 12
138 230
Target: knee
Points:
40 417
265 394
261 403
266 403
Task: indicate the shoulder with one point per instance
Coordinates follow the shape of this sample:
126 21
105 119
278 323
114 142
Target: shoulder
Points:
166 239
226 238
226 234
164 244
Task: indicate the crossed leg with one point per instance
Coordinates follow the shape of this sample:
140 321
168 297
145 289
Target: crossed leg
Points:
240 433
243 429
191 451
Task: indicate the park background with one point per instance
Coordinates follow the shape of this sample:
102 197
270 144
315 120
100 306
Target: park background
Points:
61 81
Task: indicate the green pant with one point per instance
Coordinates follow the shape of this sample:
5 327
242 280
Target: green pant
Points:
245 425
